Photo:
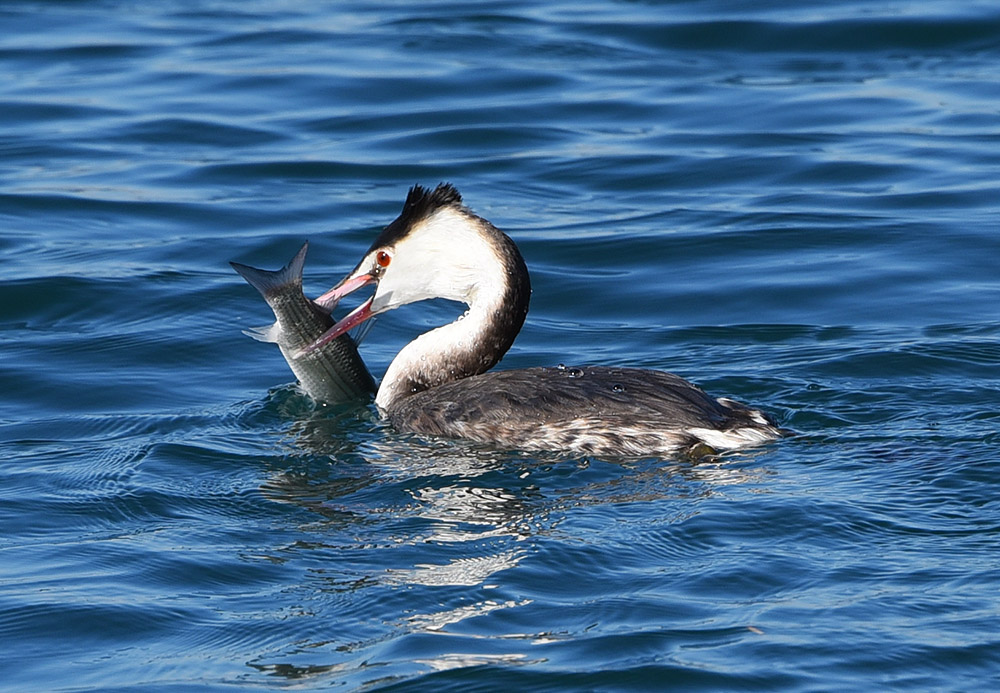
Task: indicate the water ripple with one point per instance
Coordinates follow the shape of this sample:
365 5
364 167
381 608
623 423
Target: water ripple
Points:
791 204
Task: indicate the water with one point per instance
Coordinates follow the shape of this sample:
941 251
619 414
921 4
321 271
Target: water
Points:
796 206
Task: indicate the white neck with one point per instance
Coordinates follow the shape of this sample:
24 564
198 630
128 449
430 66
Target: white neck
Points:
441 355
456 255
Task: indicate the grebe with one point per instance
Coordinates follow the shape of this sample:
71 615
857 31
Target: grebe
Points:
438 383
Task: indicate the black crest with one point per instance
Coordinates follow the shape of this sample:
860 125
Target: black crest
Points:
420 203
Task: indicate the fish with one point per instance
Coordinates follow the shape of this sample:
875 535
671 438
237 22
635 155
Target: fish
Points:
333 374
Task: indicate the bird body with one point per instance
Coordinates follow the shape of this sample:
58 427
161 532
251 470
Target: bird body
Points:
441 383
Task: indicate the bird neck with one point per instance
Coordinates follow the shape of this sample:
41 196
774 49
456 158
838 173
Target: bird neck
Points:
470 345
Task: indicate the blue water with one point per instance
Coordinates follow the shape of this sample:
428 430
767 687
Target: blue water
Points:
793 204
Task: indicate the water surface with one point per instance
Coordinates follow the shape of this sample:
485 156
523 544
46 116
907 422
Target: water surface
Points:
795 206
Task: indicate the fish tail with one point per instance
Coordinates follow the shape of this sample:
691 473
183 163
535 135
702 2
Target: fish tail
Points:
270 281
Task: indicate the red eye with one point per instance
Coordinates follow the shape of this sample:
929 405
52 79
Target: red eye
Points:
383 258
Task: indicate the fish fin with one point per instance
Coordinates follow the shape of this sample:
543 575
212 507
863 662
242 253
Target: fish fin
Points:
268 333
363 329
269 281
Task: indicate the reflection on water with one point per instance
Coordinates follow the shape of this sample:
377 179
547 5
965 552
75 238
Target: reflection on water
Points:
438 621
470 571
391 513
466 492
458 661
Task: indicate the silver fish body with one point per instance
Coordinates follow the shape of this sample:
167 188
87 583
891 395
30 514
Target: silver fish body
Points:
332 374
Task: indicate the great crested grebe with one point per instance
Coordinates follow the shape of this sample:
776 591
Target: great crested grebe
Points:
438 383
